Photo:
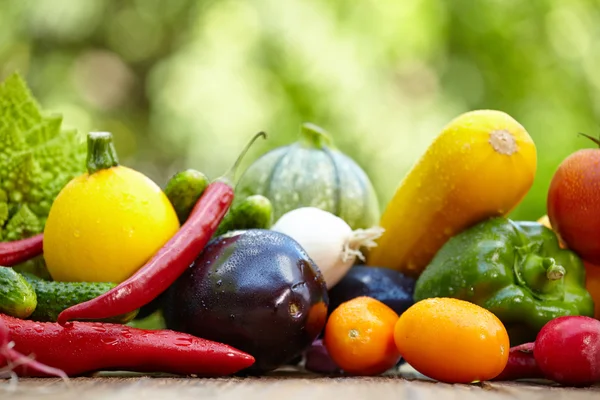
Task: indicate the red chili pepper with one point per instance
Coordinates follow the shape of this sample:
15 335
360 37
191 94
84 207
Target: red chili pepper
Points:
169 262
11 358
18 251
521 364
86 347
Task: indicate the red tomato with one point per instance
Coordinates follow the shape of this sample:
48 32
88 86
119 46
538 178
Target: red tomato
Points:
574 203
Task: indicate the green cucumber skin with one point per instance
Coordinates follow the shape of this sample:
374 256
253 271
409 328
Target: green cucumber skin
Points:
54 297
183 191
17 296
253 212
297 176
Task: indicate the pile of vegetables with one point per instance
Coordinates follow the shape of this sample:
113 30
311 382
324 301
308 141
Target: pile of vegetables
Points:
294 264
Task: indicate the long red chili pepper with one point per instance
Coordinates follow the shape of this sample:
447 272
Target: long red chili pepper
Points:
87 347
11 358
521 364
18 251
169 262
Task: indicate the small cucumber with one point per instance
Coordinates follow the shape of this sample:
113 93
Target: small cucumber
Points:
183 191
253 212
54 297
17 297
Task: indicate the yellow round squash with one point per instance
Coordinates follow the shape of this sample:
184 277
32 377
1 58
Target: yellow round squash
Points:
481 165
105 224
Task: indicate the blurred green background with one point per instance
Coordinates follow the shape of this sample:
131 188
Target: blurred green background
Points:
185 83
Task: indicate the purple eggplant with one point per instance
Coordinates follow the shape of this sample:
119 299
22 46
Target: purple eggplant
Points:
256 290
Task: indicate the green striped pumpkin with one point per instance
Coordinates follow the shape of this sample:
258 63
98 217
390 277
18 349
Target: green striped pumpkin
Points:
312 173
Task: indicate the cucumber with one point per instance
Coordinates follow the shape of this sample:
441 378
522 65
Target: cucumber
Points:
183 191
253 212
17 297
185 188
54 297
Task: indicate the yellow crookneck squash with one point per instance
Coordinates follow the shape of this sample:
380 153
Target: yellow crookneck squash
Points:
481 165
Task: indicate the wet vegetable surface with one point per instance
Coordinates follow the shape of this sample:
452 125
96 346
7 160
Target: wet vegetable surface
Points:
255 289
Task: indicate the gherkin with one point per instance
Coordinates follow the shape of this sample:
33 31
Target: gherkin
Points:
37 159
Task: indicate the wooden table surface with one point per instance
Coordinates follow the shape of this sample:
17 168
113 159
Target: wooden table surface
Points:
281 386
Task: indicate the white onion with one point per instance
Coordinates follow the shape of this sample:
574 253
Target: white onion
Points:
327 239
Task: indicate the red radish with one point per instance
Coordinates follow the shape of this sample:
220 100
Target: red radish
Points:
521 364
567 350
10 358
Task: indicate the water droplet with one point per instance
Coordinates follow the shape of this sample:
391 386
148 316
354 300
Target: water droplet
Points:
38 328
99 328
231 316
183 341
76 233
110 341
126 333
219 282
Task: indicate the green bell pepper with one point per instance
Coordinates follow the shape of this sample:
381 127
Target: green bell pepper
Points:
515 269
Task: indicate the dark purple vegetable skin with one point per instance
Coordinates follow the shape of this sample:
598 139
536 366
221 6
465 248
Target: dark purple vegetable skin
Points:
392 288
317 359
256 290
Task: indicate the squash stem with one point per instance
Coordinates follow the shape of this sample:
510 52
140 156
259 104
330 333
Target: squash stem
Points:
230 174
101 153
315 136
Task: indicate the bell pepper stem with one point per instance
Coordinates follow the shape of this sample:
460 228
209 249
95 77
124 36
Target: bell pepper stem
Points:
554 272
101 152
542 275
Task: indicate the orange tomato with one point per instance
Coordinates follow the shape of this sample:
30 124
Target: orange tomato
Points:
359 336
452 340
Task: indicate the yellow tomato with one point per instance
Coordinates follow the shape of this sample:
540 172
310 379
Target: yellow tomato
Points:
452 340
103 226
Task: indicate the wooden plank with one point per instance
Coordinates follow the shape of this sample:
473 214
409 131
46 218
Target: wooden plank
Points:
280 386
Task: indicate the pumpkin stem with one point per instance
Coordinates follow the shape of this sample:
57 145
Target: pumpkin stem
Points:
101 153
315 136
230 174
593 139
